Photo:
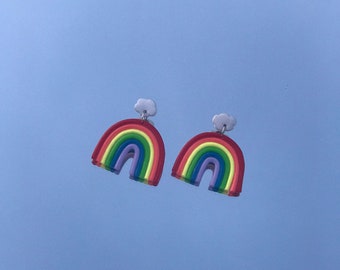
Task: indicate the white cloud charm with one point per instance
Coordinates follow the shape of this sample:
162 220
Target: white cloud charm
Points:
224 122
146 107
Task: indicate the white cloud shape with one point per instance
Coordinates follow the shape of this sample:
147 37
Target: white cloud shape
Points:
146 107
224 122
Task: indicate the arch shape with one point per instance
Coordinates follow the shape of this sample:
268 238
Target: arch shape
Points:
136 139
211 150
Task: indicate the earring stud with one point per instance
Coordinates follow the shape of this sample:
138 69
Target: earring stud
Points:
216 152
137 139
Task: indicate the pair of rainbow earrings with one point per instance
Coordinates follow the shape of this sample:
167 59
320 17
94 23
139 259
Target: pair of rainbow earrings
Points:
140 140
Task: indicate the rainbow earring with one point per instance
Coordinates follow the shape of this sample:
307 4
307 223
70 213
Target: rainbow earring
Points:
214 151
137 139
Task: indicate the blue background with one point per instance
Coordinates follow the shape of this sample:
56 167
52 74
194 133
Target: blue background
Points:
70 69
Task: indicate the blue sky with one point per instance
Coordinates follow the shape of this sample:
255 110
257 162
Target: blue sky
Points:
70 69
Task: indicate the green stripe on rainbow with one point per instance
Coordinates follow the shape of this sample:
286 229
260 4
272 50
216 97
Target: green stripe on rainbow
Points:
215 151
132 138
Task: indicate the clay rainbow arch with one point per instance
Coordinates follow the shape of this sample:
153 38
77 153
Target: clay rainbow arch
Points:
214 151
136 139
